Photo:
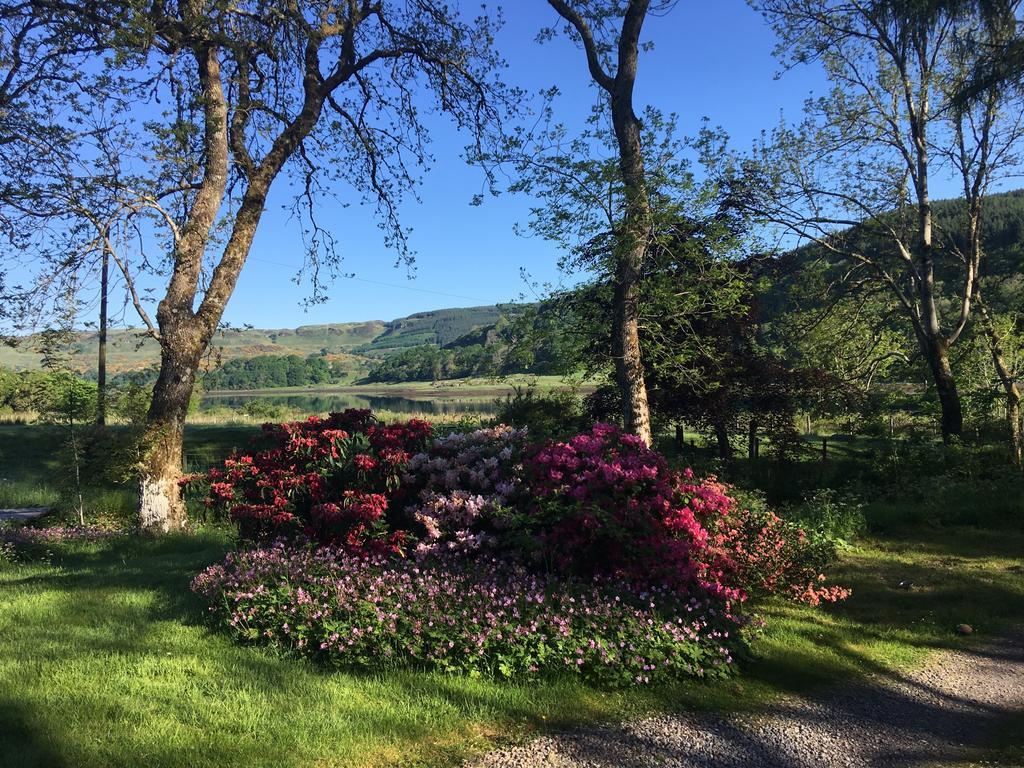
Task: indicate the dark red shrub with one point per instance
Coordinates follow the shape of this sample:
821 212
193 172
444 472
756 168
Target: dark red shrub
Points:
328 478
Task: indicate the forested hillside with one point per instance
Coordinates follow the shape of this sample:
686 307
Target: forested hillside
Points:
809 304
438 328
349 348
494 340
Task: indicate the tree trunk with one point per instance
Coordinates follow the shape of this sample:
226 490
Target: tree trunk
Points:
631 241
724 445
185 333
752 439
934 343
937 354
161 507
1013 420
632 251
629 369
1006 379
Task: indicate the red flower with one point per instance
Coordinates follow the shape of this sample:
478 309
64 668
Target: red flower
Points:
364 463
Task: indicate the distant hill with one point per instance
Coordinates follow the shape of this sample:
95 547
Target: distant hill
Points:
440 327
357 345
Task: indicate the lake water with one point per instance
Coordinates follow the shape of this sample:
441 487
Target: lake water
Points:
324 402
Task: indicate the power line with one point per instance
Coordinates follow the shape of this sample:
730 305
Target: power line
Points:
387 285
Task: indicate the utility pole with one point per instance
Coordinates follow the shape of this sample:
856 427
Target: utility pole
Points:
101 363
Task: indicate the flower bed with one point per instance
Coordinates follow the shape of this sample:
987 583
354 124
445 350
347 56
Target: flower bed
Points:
497 620
487 554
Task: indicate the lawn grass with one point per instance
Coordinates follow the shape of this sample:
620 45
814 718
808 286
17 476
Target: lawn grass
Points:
105 661
30 465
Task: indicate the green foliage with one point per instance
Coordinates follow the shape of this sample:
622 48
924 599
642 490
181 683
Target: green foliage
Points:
430 363
831 514
268 371
424 362
130 401
261 409
546 415
862 340
64 398
547 338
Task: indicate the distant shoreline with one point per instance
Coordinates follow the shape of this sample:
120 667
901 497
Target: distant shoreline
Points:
450 389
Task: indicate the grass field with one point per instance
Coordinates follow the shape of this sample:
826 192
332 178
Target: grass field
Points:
31 467
105 661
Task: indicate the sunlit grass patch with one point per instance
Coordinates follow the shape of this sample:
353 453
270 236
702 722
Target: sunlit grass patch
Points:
105 660
17 494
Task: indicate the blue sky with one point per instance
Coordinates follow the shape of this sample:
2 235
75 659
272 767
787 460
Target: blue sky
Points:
711 59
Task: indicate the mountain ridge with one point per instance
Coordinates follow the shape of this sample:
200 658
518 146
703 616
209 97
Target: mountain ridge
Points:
130 349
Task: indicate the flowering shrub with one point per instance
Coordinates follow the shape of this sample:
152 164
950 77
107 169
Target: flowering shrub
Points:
329 478
601 504
769 555
590 556
457 489
605 503
491 618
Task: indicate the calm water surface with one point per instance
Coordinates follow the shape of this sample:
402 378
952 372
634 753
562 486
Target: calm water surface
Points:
326 402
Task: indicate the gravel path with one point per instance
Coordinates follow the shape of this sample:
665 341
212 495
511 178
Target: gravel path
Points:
912 719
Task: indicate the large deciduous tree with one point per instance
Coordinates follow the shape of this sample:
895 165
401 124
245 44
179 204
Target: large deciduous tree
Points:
598 203
980 94
207 105
856 177
609 33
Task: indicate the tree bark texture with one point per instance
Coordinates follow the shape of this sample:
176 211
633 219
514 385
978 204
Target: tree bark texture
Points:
632 242
724 444
101 361
183 335
936 352
161 507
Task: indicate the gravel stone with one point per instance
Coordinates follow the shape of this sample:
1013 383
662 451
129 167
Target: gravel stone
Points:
892 720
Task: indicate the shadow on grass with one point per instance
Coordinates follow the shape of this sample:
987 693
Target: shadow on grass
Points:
948 589
22 742
116 597
958 577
